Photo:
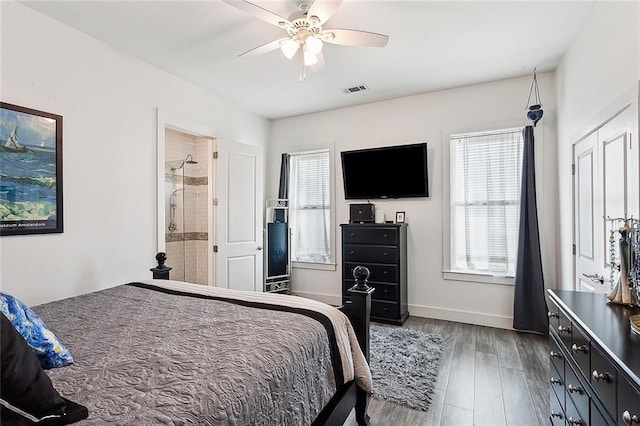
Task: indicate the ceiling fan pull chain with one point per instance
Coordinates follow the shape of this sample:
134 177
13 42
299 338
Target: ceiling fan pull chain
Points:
303 72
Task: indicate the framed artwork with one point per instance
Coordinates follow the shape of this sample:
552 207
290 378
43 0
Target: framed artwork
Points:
31 177
399 217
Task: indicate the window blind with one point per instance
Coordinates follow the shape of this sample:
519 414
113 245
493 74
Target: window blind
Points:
310 206
485 194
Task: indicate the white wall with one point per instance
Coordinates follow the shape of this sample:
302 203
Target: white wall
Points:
598 73
432 118
108 101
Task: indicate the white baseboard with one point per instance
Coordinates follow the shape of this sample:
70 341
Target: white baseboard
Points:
475 318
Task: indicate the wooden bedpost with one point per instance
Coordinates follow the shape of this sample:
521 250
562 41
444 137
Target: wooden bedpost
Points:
359 311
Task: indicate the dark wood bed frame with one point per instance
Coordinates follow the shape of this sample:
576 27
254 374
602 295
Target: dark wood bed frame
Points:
358 310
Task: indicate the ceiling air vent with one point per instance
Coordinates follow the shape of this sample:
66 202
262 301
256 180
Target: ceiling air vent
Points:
355 89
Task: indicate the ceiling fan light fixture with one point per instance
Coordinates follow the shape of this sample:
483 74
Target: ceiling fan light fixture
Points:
313 45
309 58
289 47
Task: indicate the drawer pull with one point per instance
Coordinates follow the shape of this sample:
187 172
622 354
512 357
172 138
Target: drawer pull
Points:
385 254
352 252
352 235
385 272
553 315
630 419
573 421
562 329
556 414
582 348
553 354
386 235
555 381
576 389
601 376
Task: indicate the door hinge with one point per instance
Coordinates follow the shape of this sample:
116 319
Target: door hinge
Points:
215 201
215 248
215 155
573 169
574 249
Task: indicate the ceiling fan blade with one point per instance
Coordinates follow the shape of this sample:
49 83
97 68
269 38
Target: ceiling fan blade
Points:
355 38
264 48
324 9
259 12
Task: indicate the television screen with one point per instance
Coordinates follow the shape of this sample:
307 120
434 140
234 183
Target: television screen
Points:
388 172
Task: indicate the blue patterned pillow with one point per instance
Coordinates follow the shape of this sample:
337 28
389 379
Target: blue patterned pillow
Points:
50 351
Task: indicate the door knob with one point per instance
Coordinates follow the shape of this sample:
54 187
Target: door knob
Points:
595 277
259 248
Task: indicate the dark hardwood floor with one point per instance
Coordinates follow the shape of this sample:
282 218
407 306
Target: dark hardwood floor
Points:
488 376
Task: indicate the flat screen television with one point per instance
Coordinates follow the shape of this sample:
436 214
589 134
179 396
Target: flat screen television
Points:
388 172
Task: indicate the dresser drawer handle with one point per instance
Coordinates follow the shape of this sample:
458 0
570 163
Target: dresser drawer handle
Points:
553 315
386 236
576 389
553 354
630 419
556 414
352 235
582 348
555 381
562 329
385 272
601 376
573 421
385 254
352 252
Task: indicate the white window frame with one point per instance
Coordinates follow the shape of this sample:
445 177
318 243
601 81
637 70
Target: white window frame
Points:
448 272
331 264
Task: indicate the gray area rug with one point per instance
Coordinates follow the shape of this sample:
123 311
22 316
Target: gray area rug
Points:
404 365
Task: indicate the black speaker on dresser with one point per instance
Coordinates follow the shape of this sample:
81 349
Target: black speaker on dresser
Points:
362 213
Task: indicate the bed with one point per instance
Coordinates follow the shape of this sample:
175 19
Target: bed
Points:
168 352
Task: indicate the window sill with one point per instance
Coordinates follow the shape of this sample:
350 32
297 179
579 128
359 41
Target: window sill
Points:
317 266
477 278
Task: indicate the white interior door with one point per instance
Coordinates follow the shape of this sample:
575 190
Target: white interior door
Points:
605 186
586 215
239 260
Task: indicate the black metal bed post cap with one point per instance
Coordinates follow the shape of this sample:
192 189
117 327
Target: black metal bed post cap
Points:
361 275
161 257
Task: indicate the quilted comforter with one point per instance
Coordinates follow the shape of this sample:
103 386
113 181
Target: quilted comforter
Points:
166 352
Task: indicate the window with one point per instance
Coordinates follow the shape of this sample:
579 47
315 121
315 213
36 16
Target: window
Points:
310 207
485 181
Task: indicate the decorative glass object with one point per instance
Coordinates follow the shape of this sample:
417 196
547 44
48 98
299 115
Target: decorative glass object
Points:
535 112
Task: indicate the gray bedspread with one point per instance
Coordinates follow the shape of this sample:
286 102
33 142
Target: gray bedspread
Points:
144 357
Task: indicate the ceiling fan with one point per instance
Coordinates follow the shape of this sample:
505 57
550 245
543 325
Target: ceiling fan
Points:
305 32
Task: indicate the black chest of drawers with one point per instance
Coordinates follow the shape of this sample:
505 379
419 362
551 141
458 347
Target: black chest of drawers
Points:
383 249
594 361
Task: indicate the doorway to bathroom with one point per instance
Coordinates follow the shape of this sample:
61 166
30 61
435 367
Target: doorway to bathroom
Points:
186 206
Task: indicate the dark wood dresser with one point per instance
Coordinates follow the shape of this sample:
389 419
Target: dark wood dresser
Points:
383 249
595 361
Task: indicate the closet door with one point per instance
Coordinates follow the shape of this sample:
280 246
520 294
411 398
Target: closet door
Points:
606 185
587 217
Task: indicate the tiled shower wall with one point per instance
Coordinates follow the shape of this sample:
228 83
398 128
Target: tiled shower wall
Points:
187 245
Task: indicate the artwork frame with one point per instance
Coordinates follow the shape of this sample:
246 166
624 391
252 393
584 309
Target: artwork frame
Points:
399 217
31 178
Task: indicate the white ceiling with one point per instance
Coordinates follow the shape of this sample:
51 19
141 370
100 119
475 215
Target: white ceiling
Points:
432 45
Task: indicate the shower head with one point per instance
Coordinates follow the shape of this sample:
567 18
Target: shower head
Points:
187 160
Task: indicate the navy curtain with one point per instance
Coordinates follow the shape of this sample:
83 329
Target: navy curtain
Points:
283 190
530 305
